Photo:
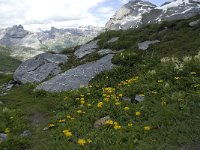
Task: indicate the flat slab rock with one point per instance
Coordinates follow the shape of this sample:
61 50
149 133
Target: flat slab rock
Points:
74 78
145 45
194 23
115 39
39 68
86 49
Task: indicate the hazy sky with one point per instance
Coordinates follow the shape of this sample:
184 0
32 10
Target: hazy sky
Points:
59 13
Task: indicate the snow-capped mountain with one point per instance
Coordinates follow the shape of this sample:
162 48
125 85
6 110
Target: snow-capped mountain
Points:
25 44
137 13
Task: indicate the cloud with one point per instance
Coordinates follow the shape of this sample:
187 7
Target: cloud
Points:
32 12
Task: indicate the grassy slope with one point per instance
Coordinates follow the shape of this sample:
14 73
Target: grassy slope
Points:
7 63
170 107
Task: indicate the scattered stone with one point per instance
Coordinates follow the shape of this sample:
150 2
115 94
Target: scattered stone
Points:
194 23
4 88
3 137
127 99
101 122
76 77
139 98
145 45
39 68
105 51
113 40
86 49
46 128
26 133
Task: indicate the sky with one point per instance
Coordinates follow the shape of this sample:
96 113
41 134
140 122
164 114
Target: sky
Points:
33 14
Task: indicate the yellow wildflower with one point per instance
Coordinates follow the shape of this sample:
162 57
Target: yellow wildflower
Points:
100 104
61 120
126 108
137 113
81 142
77 99
89 105
67 133
130 124
120 95
80 112
117 103
110 122
160 81
116 123
51 125
65 98
82 102
7 130
116 127
82 99
69 117
142 95
90 86
147 128
89 140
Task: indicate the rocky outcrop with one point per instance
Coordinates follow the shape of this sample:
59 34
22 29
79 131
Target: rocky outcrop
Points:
76 77
86 49
137 13
145 45
39 68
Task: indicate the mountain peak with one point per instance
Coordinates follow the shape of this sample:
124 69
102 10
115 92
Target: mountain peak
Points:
138 12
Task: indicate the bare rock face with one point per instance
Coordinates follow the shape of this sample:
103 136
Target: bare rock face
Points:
137 13
39 68
76 77
129 15
86 49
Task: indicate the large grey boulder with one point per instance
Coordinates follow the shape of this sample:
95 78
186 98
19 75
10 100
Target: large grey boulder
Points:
86 49
39 68
74 78
145 45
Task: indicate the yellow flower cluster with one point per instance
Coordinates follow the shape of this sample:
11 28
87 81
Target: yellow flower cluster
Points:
100 104
138 113
51 125
80 112
67 133
147 128
108 90
7 130
82 142
128 82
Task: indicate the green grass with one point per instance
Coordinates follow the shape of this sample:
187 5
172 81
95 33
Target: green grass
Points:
8 64
168 75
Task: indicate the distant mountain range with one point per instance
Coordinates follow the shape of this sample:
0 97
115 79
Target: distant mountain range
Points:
24 44
137 13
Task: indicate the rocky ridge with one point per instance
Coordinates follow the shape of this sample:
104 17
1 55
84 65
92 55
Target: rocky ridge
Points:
137 13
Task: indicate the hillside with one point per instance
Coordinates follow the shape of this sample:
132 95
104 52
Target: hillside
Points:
150 100
7 63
